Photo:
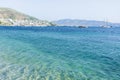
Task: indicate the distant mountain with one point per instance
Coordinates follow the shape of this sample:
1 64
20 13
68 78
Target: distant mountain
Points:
77 22
10 17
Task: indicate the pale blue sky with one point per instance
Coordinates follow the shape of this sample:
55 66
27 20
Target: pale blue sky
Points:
73 9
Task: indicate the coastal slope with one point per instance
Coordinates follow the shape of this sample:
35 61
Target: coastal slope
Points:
11 17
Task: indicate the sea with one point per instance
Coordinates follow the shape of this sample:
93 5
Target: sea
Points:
59 53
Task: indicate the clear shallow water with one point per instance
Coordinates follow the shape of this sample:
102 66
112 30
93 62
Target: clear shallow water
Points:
55 53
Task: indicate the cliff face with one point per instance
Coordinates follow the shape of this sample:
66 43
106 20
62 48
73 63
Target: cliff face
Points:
10 17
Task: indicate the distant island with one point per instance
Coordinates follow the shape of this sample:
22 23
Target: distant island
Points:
11 17
83 23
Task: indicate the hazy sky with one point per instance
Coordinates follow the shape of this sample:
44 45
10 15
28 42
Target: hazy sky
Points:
73 9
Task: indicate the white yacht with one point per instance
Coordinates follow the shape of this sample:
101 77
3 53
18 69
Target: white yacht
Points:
106 25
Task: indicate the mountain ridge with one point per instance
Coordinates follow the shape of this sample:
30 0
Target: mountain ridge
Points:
79 22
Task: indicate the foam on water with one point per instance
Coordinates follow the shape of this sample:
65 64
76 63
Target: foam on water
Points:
59 54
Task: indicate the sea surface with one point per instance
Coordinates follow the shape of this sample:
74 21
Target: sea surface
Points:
59 53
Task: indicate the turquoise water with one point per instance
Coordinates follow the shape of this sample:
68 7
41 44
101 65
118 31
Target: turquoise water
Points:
59 53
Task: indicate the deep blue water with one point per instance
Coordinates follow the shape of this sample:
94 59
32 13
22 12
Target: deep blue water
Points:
59 53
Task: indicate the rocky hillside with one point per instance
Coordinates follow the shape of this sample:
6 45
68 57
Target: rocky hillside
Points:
10 17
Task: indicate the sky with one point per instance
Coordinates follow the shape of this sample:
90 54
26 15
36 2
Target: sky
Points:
67 9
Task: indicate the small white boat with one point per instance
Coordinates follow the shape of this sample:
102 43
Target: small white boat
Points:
106 25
